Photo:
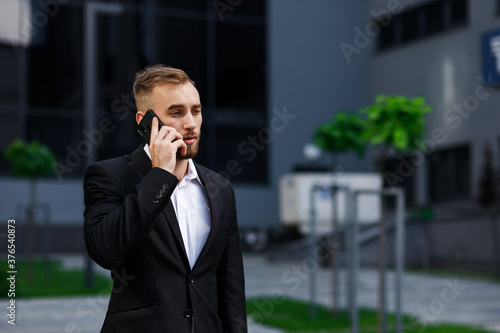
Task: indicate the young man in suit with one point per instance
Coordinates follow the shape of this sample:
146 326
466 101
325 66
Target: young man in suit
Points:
164 225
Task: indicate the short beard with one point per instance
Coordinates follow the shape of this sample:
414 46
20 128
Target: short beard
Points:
191 151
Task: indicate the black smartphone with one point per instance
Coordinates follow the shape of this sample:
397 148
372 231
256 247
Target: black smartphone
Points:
144 127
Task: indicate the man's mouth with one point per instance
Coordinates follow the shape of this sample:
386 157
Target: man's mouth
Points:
189 140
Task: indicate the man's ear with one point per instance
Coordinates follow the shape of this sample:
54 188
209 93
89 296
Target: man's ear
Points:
138 116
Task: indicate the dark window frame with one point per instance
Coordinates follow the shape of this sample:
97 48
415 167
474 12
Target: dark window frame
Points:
454 14
449 171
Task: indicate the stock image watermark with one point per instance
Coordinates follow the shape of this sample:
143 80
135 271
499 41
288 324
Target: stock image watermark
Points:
429 313
88 310
364 36
223 6
293 278
252 146
92 139
11 271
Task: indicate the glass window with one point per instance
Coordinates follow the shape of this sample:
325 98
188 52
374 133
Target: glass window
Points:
9 85
226 59
242 154
459 12
387 35
182 4
434 18
424 20
245 7
182 43
410 26
449 174
55 67
241 67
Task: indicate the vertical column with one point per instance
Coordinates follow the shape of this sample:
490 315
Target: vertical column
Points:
351 217
312 239
400 256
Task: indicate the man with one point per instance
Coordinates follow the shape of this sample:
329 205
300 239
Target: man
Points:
165 226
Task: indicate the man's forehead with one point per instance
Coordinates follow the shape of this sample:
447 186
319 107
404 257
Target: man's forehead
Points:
172 88
179 95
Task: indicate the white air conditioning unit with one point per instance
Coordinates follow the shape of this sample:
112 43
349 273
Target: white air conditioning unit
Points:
295 191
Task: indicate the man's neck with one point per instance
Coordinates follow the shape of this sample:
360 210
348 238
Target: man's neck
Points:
181 168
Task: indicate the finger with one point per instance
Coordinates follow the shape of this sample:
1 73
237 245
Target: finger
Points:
163 132
173 136
154 130
182 146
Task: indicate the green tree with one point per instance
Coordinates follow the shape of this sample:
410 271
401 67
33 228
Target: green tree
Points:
30 160
392 122
341 134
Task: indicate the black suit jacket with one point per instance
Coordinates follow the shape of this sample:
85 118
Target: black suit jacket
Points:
131 228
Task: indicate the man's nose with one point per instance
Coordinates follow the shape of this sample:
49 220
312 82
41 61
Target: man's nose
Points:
189 122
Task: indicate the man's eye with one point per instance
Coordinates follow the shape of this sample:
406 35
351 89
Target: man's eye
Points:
196 111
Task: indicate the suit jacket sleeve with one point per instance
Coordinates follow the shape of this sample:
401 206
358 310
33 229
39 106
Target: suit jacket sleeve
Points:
230 280
117 216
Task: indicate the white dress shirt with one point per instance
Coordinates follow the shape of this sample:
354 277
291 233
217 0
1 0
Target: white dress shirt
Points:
192 210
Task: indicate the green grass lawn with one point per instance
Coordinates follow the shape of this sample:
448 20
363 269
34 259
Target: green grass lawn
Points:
293 316
50 279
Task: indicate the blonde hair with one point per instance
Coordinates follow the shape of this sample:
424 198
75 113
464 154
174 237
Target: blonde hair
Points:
147 79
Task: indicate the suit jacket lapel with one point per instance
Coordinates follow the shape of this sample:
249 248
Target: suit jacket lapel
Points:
210 189
141 164
169 213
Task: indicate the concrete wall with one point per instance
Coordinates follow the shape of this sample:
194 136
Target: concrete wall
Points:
445 69
468 243
63 199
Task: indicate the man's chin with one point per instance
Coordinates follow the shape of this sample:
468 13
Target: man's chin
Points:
191 152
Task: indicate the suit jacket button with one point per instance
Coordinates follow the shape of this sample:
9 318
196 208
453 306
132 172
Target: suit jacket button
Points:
155 201
190 280
188 313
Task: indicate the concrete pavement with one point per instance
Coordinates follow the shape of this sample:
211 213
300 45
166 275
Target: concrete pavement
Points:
433 299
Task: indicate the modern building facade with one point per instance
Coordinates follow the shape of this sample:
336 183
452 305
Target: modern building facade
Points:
445 51
268 72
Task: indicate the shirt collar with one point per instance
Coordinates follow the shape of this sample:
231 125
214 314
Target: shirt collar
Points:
191 173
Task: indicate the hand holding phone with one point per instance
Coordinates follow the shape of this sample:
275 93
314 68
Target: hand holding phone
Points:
164 141
145 125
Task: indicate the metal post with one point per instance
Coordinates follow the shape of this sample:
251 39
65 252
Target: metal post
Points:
312 235
46 240
351 219
335 266
92 9
89 74
400 256
348 252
